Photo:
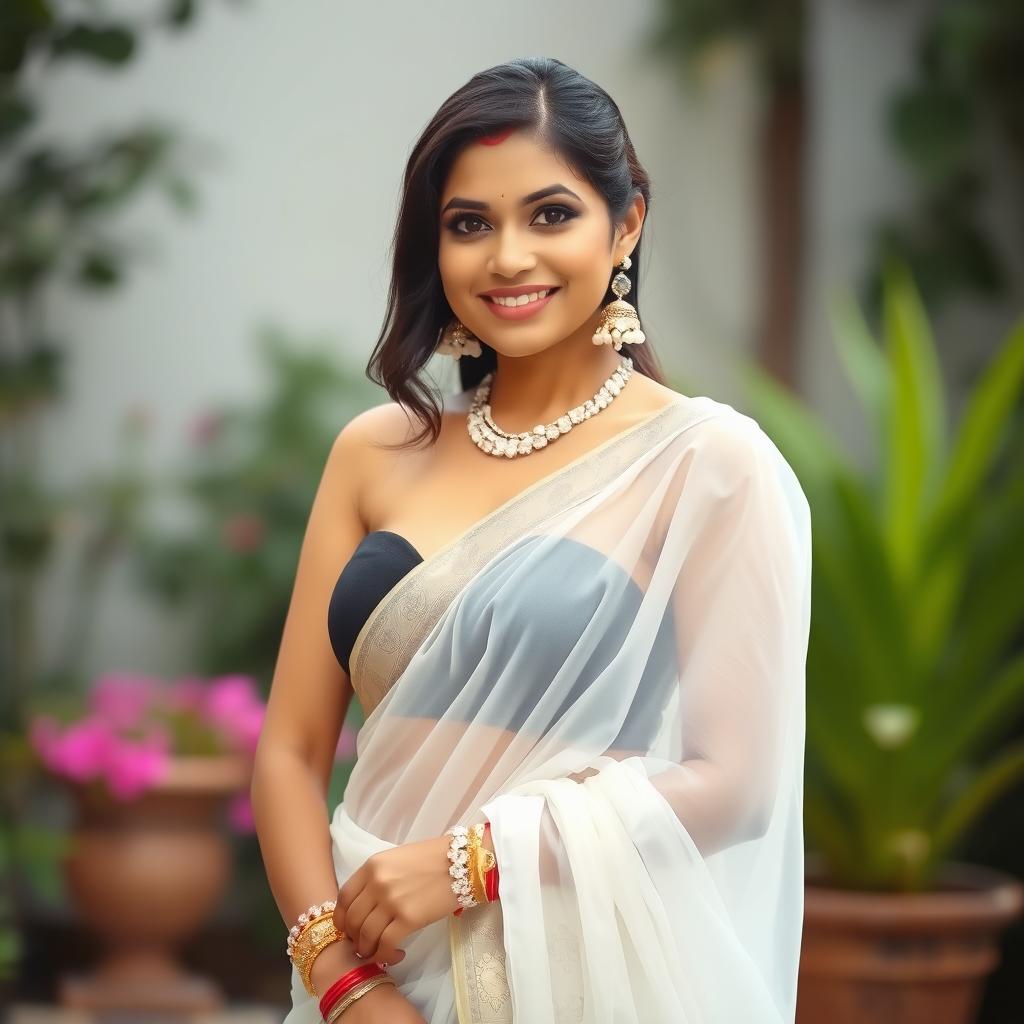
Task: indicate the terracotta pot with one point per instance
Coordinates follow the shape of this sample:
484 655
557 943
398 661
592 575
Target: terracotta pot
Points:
145 874
890 958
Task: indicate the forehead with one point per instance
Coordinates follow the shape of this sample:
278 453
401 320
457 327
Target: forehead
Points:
503 173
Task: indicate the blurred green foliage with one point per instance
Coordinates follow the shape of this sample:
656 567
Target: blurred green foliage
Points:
913 676
59 204
246 491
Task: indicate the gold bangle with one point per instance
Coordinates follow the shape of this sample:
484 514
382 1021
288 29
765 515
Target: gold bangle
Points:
476 835
357 993
485 862
316 937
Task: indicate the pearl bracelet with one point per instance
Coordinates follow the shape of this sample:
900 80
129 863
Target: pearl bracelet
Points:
458 854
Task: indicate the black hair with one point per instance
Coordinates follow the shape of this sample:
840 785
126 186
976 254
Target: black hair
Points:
564 110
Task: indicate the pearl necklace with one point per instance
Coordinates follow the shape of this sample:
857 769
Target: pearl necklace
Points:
490 438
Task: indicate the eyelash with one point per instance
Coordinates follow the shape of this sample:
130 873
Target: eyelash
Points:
458 217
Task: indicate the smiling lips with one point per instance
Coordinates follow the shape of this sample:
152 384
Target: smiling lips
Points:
520 304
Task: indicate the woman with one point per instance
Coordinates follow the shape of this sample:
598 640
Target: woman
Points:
590 636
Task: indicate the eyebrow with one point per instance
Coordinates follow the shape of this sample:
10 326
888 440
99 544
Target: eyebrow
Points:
543 193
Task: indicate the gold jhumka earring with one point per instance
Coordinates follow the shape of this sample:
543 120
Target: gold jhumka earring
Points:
620 322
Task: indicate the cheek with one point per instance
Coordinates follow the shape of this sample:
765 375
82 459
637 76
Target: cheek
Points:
578 261
454 265
459 276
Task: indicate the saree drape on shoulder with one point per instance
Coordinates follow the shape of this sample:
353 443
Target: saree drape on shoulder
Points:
610 669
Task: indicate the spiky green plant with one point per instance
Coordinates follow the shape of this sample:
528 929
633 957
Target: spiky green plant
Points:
913 677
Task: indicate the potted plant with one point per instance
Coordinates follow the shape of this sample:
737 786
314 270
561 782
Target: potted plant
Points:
151 767
911 672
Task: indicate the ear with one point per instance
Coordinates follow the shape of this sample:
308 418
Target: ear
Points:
628 231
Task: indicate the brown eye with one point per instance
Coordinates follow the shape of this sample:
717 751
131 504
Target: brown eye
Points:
455 220
567 215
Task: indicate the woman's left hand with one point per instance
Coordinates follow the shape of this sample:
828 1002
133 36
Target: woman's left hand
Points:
396 892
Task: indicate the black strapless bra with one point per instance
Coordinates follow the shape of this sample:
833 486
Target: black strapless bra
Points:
379 561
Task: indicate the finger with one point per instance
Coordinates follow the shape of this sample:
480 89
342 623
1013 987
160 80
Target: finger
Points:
370 931
359 910
354 885
387 946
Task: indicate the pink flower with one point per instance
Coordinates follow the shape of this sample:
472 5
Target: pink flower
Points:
134 724
80 752
235 708
186 695
240 814
123 700
132 768
91 749
243 533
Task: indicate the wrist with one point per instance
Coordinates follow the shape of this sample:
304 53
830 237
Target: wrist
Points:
332 962
476 882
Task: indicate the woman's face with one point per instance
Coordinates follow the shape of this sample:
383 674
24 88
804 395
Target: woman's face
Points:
494 235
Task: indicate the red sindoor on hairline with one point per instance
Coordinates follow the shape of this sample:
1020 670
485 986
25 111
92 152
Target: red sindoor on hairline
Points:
493 140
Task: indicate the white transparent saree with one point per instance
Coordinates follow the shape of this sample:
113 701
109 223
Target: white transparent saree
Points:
610 669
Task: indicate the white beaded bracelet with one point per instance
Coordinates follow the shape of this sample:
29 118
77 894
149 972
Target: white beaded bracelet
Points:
459 856
312 912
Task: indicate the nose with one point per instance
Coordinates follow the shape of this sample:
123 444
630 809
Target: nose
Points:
510 257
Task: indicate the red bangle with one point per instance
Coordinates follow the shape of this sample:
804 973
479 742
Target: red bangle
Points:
347 982
491 877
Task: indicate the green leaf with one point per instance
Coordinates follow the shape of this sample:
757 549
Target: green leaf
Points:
17 113
181 192
21 25
803 439
916 427
863 360
99 269
855 564
956 730
831 833
949 529
180 13
996 778
991 609
106 44
986 413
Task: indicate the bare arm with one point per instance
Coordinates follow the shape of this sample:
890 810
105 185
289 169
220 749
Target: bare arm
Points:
309 698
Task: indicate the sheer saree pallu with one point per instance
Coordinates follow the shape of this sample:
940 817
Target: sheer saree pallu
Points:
610 669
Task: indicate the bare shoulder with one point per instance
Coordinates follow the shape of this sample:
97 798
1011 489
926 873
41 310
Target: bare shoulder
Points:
387 423
361 451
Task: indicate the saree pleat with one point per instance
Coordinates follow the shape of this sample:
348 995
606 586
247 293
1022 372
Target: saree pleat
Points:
610 669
